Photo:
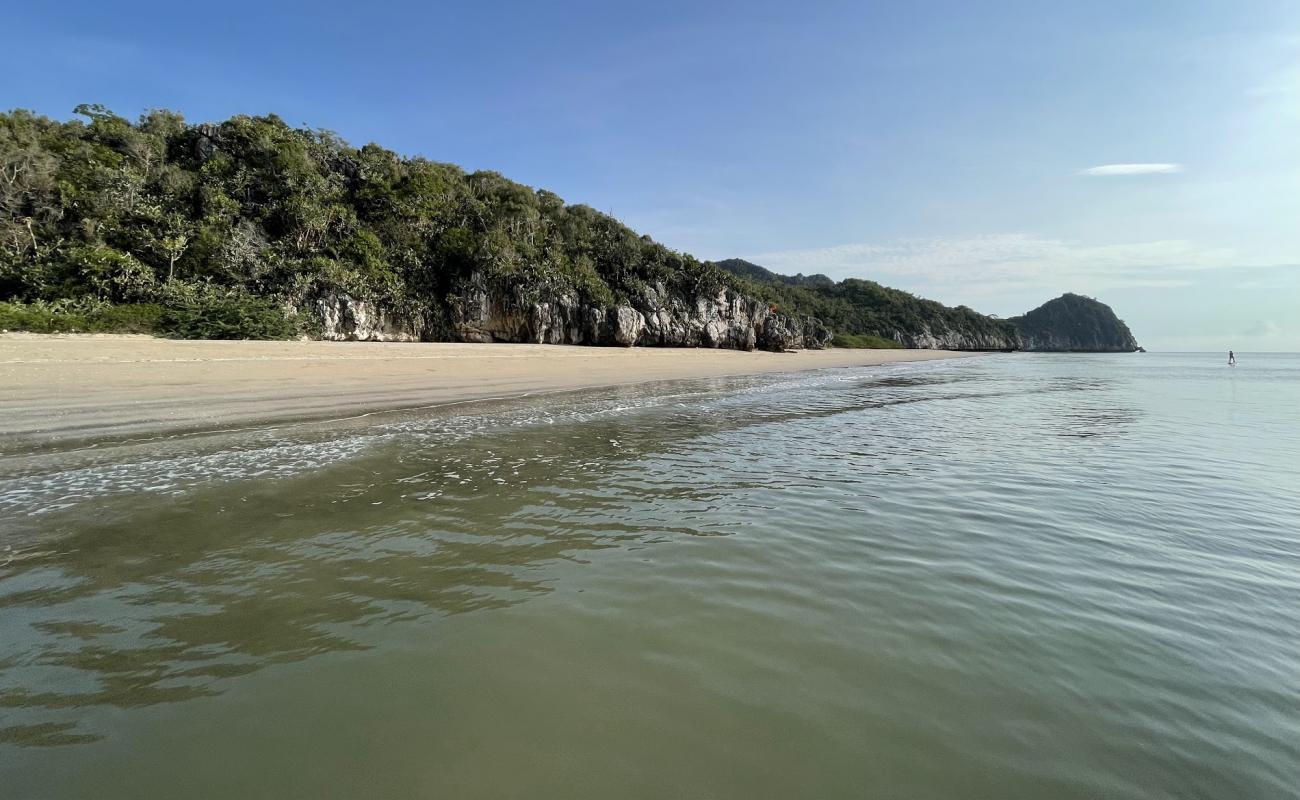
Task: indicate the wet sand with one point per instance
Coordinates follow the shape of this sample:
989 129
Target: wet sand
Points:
64 390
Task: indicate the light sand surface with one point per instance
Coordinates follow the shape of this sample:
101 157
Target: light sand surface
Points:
63 390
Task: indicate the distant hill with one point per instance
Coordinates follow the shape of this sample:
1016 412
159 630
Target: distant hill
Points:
748 269
1074 324
865 308
862 308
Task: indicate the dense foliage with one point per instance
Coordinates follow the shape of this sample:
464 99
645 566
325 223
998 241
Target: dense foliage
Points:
85 315
863 308
234 227
864 341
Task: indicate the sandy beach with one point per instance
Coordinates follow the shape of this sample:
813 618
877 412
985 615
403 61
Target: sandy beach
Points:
62 390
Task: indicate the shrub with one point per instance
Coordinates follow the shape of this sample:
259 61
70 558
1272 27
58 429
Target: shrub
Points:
41 317
128 318
864 342
228 318
79 316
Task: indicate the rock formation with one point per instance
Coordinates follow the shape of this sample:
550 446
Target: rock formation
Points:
927 339
344 318
1074 324
656 316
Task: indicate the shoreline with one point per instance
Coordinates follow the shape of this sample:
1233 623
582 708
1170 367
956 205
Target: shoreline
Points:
64 391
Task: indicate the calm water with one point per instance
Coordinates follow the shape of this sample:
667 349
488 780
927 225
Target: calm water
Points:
1025 576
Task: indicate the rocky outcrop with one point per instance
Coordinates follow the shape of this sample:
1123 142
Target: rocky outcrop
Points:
655 317
344 318
658 317
1074 324
628 324
926 339
1069 324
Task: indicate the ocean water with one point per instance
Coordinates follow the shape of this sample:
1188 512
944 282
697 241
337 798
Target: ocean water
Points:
1016 576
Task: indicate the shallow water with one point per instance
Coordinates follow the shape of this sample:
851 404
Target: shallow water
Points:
1018 576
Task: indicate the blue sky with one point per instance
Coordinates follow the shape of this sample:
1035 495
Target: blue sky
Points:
947 148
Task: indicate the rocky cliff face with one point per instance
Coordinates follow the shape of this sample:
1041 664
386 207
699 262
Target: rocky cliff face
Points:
477 312
656 317
926 339
1074 324
1069 324
344 318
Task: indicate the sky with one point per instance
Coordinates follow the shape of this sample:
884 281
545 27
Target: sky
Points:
991 154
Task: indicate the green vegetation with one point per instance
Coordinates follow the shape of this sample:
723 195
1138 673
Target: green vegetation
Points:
238 229
233 318
865 308
80 316
235 227
215 318
864 342
1074 323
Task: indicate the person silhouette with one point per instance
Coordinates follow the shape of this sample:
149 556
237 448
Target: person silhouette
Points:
1232 359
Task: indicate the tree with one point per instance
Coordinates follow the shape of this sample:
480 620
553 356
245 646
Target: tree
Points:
171 239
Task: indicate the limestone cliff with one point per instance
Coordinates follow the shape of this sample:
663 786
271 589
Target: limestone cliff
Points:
925 338
477 311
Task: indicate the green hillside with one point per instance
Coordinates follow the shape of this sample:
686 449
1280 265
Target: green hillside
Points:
231 229
864 308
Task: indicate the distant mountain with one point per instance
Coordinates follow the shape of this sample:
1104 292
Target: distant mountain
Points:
862 308
1074 324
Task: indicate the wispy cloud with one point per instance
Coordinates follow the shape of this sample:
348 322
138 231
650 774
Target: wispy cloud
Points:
1019 255
1261 328
999 264
1284 280
1133 169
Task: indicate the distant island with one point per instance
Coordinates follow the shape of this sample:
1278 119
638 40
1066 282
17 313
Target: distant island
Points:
254 229
1072 324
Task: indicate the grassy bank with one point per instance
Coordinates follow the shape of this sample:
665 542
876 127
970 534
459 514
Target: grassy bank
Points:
212 318
864 341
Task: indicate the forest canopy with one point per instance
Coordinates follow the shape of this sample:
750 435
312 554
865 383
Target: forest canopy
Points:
238 229
232 221
860 308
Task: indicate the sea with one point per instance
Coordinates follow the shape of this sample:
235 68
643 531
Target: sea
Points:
1007 576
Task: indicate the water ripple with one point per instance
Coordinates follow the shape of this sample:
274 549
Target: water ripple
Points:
1021 577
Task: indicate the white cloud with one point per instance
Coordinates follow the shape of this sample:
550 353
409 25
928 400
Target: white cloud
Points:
1133 169
973 268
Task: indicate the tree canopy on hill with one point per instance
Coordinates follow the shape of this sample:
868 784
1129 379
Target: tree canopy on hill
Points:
229 229
752 271
1073 322
104 210
865 308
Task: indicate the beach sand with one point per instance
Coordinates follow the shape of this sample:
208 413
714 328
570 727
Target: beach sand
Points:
64 390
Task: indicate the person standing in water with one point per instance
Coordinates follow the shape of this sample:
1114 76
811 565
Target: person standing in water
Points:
1232 359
